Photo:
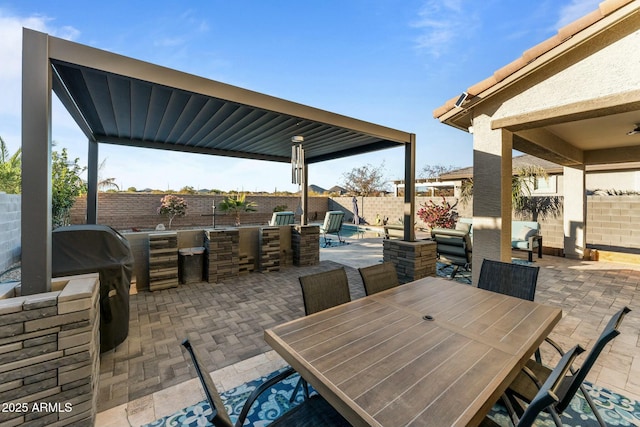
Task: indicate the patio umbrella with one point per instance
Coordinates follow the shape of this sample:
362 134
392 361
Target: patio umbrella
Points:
356 218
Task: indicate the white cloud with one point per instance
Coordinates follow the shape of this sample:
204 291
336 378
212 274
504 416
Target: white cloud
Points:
574 10
11 60
440 22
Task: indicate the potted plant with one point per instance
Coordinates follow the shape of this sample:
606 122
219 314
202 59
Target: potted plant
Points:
236 205
172 206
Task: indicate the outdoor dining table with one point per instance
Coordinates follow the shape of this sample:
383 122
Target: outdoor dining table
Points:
431 352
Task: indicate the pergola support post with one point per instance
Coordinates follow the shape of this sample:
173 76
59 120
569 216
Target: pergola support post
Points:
92 183
36 163
409 189
305 194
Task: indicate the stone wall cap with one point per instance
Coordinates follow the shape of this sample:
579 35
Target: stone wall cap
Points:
79 287
11 305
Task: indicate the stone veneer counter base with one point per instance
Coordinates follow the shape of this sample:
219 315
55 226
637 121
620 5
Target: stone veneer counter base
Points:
49 354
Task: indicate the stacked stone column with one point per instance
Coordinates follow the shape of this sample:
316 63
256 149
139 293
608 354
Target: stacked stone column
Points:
413 260
223 254
305 245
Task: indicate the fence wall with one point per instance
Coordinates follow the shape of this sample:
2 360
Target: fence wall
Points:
612 221
126 211
9 230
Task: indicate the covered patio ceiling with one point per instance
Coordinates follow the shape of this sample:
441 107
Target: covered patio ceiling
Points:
119 100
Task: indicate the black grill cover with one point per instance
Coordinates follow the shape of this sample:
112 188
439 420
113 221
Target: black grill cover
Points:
80 249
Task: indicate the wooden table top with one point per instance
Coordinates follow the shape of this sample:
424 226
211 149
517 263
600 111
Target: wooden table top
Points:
380 362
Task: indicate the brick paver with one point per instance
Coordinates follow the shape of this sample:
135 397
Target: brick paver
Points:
227 321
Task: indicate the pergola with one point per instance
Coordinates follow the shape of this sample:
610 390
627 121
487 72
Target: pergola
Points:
574 100
120 100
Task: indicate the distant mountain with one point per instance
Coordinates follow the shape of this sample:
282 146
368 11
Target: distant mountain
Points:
316 189
337 189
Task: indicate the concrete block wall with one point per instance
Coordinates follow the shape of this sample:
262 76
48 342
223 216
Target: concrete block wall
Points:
614 221
9 230
126 211
49 354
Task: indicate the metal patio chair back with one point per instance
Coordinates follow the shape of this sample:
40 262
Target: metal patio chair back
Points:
324 290
524 388
379 277
515 280
546 395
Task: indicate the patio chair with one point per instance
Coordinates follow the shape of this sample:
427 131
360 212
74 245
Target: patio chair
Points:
321 291
453 247
324 290
379 277
281 218
523 387
546 395
332 225
515 280
314 411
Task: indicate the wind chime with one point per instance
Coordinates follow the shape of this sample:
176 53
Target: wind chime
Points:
297 160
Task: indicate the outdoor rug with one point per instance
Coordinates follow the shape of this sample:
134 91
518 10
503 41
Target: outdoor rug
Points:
616 410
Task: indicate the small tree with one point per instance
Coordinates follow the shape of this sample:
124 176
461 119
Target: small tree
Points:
66 186
172 206
236 205
434 171
10 170
365 181
440 216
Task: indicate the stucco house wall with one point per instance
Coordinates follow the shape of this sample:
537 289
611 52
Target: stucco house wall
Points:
603 73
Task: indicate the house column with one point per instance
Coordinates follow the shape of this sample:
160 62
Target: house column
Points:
574 212
492 172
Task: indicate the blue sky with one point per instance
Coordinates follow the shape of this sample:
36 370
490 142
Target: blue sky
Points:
387 62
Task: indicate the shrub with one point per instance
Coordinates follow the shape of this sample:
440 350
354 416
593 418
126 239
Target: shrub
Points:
436 215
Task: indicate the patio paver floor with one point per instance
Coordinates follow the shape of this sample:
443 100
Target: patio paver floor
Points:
226 321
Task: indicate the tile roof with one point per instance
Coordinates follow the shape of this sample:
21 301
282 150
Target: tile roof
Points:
565 33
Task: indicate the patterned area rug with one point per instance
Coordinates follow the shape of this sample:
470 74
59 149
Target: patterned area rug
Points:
616 410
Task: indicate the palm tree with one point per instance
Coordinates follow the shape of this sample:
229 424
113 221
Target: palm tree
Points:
521 186
236 205
106 183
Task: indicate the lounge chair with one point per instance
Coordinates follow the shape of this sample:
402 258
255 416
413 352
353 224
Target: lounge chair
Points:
281 218
453 247
332 225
